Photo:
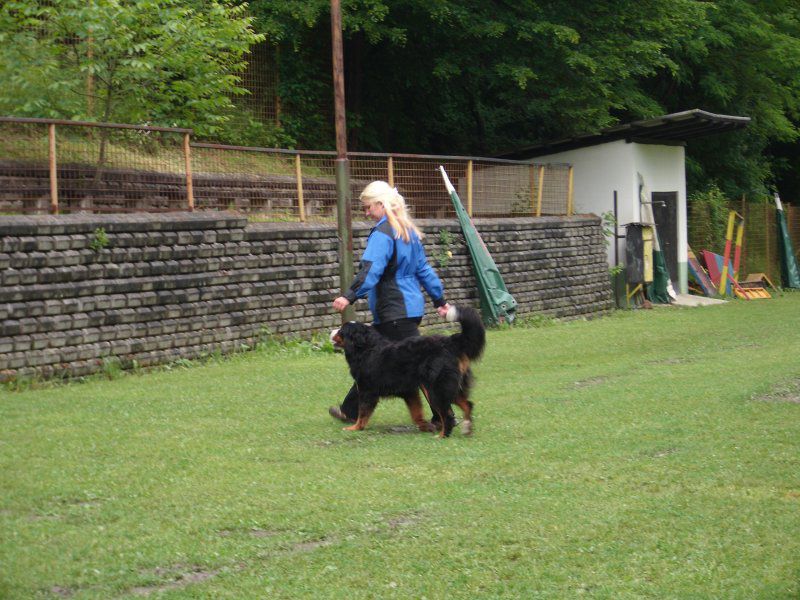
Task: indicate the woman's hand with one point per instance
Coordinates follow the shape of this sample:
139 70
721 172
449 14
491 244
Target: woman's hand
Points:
442 310
340 304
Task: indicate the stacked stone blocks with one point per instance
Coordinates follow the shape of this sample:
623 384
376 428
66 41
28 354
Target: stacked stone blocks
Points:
151 289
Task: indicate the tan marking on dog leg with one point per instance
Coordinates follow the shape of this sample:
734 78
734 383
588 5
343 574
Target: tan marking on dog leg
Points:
442 420
431 426
463 404
361 422
466 424
463 364
424 391
414 405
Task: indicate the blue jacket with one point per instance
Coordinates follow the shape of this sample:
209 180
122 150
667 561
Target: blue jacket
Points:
390 275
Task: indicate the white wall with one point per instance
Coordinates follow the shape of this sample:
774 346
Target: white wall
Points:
602 169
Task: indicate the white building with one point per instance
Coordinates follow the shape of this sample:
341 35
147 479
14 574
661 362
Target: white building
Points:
614 162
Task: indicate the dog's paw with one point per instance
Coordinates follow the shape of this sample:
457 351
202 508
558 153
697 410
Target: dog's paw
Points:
466 427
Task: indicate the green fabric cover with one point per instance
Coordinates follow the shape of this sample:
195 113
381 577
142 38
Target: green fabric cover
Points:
789 271
497 304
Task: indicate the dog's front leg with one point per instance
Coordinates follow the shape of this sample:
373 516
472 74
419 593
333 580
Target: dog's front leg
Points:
366 407
414 405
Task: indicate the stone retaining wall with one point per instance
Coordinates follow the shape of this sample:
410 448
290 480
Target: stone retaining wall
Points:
151 289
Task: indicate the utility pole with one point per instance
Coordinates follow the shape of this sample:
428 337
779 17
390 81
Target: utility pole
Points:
343 214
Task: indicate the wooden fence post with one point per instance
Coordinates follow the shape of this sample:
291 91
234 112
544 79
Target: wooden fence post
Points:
569 193
767 261
745 223
53 170
469 188
532 185
390 170
299 171
187 158
540 192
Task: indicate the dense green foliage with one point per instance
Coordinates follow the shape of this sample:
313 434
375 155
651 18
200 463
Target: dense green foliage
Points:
466 76
444 76
708 219
651 454
165 62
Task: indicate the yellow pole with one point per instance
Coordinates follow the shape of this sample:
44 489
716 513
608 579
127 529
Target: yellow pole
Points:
723 278
390 169
299 170
53 170
187 157
469 188
540 192
569 193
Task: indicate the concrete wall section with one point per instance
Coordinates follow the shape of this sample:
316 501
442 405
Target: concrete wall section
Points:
601 170
151 289
598 172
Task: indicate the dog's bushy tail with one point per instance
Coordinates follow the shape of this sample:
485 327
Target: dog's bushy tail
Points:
472 339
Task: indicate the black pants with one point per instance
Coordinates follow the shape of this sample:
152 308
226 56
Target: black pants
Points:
395 331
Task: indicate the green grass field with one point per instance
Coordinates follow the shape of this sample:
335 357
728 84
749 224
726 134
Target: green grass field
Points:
650 454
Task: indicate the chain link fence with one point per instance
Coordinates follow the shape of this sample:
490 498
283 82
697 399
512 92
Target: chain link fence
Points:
759 253
65 166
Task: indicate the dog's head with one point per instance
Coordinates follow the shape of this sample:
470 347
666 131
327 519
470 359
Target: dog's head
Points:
353 336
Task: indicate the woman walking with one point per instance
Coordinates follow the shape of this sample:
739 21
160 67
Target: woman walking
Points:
392 269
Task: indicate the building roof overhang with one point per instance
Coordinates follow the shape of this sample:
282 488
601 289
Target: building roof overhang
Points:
672 129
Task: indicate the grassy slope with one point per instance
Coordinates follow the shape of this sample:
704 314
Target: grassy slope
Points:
626 457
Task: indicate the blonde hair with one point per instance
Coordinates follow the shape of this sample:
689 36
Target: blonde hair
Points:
394 205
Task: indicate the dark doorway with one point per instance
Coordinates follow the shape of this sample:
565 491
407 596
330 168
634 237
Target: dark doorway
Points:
665 214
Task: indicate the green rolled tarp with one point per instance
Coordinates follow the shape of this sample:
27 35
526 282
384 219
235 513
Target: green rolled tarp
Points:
497 305
790 274
660 290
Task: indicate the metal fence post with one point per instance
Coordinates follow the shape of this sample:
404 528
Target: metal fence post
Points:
390 170
469 188
53 169
187 157
298 168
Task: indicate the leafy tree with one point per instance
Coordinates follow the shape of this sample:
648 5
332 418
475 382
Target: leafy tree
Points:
166 62
468 76
478 77
742 60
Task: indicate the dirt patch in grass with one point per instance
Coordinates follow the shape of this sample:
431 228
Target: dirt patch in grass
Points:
310 545
179 576
256 533
663 452
348 438
61 591
787 391
404 520
669 361
262 533
401 429
591 381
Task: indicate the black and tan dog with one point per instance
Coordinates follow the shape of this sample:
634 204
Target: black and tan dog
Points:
440 365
